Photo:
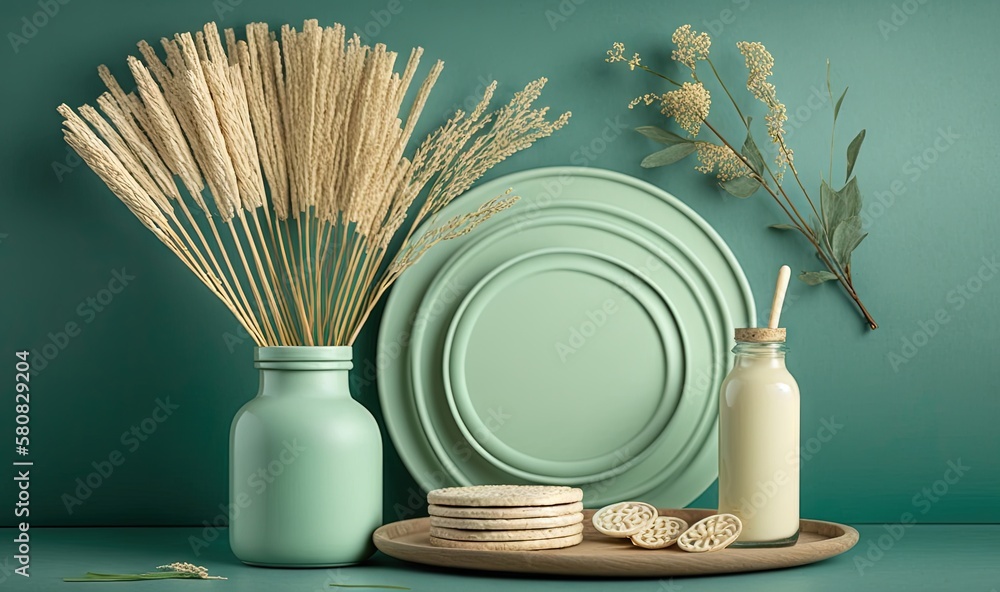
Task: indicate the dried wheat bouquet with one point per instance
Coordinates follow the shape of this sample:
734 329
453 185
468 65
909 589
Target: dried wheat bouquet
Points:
291 149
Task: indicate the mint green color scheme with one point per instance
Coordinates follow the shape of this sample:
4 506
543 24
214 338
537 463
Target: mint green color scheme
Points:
305 480
927 558
883 412
493 312
579 337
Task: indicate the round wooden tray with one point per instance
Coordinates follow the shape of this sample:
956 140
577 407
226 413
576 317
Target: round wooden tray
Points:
599 555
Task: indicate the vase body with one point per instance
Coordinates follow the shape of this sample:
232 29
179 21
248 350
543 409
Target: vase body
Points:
759 446
305 464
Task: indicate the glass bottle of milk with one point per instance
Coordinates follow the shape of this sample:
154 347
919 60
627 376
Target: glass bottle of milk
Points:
759 441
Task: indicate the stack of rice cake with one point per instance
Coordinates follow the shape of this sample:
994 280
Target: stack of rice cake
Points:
506 517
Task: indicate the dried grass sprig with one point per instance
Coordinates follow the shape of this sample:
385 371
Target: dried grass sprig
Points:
173 571
300 139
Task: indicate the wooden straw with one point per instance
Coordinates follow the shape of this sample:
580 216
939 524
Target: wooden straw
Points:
779 296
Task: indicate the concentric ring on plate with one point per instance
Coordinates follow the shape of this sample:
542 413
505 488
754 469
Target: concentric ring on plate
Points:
685 465
590 462
612 228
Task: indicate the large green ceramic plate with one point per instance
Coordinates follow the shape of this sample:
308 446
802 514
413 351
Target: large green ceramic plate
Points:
579 337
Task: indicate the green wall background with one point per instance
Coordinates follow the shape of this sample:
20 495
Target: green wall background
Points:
921 82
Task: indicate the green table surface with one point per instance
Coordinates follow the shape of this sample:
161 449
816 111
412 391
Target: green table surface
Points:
926 557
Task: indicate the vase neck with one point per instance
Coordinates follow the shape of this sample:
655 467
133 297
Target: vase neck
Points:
304 383
304 371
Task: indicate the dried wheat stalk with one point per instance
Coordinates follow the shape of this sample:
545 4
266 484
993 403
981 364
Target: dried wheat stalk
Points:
299 140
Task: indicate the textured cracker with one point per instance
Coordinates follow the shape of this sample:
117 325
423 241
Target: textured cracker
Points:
505 513
507 524
556 543
624 519
661 534
455 534
714 533
505 495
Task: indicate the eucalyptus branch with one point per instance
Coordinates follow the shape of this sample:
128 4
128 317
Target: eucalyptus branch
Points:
741 172
728 94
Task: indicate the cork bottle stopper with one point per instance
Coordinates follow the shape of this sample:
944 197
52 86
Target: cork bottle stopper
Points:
760 335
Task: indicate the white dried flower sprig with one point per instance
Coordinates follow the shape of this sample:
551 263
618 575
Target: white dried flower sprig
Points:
173 571
191 569
300 138
689 105
692 47
759 63
834 230
720 160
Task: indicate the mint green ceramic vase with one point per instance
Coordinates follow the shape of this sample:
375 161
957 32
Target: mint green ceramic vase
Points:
305 464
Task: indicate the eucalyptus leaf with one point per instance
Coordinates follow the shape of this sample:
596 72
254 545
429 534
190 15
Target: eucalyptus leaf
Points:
741 187
829 203
846 236
839 205
852 152
850 196
668 155
840 101
751 152
662 136
829 90
818 229
814 278
858 242
782 226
